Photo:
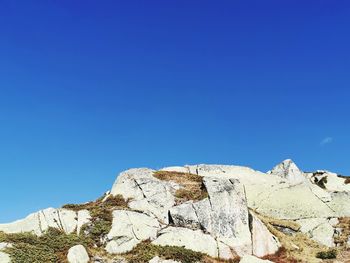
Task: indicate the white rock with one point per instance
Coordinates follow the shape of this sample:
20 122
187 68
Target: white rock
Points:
340 204
147 193
128 229
318 229
195 240
292 202
4 258
39 222
224 214
264 243
159 260
83 218
78 254
185 215
4 245
252 259
288 171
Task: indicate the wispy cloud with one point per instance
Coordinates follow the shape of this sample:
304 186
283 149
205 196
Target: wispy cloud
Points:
326 140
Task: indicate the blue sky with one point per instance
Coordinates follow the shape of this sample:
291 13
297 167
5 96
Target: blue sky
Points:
91 88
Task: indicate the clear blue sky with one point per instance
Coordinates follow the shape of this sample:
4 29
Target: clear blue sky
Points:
91 88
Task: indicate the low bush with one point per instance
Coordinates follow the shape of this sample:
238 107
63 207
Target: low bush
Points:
330 254
52 246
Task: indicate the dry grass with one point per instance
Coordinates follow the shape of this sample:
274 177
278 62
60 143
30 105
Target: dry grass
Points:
344 225
192 185
279 222
295 248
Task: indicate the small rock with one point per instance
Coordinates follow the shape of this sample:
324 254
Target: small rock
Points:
78 254
252 259
4 258
159 260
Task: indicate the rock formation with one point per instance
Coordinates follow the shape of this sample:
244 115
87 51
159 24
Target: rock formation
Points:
196 212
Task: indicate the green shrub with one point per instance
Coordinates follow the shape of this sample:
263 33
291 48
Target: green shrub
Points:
101 216
52 246
330 254
145 251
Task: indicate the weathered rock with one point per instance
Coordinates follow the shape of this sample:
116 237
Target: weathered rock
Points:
223 214
159 260
292 202
195 240
39 222
130 228
83 218
264 243
340 204
318 229
184 215
289 171
252 259
147 193
78 254
4 258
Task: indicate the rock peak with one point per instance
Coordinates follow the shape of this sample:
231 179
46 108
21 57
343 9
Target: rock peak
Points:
288 170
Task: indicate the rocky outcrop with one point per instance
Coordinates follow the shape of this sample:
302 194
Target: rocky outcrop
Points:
78 254
129 229
232 215
63 219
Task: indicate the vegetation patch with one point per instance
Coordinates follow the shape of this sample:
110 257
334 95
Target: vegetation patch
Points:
192 185
145 251
101 216
347 180
329 254
52 246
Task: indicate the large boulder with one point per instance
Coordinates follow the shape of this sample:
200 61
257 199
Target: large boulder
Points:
78 254
146 193
224 214
195 240
319 229
264 243
129 229
63 219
